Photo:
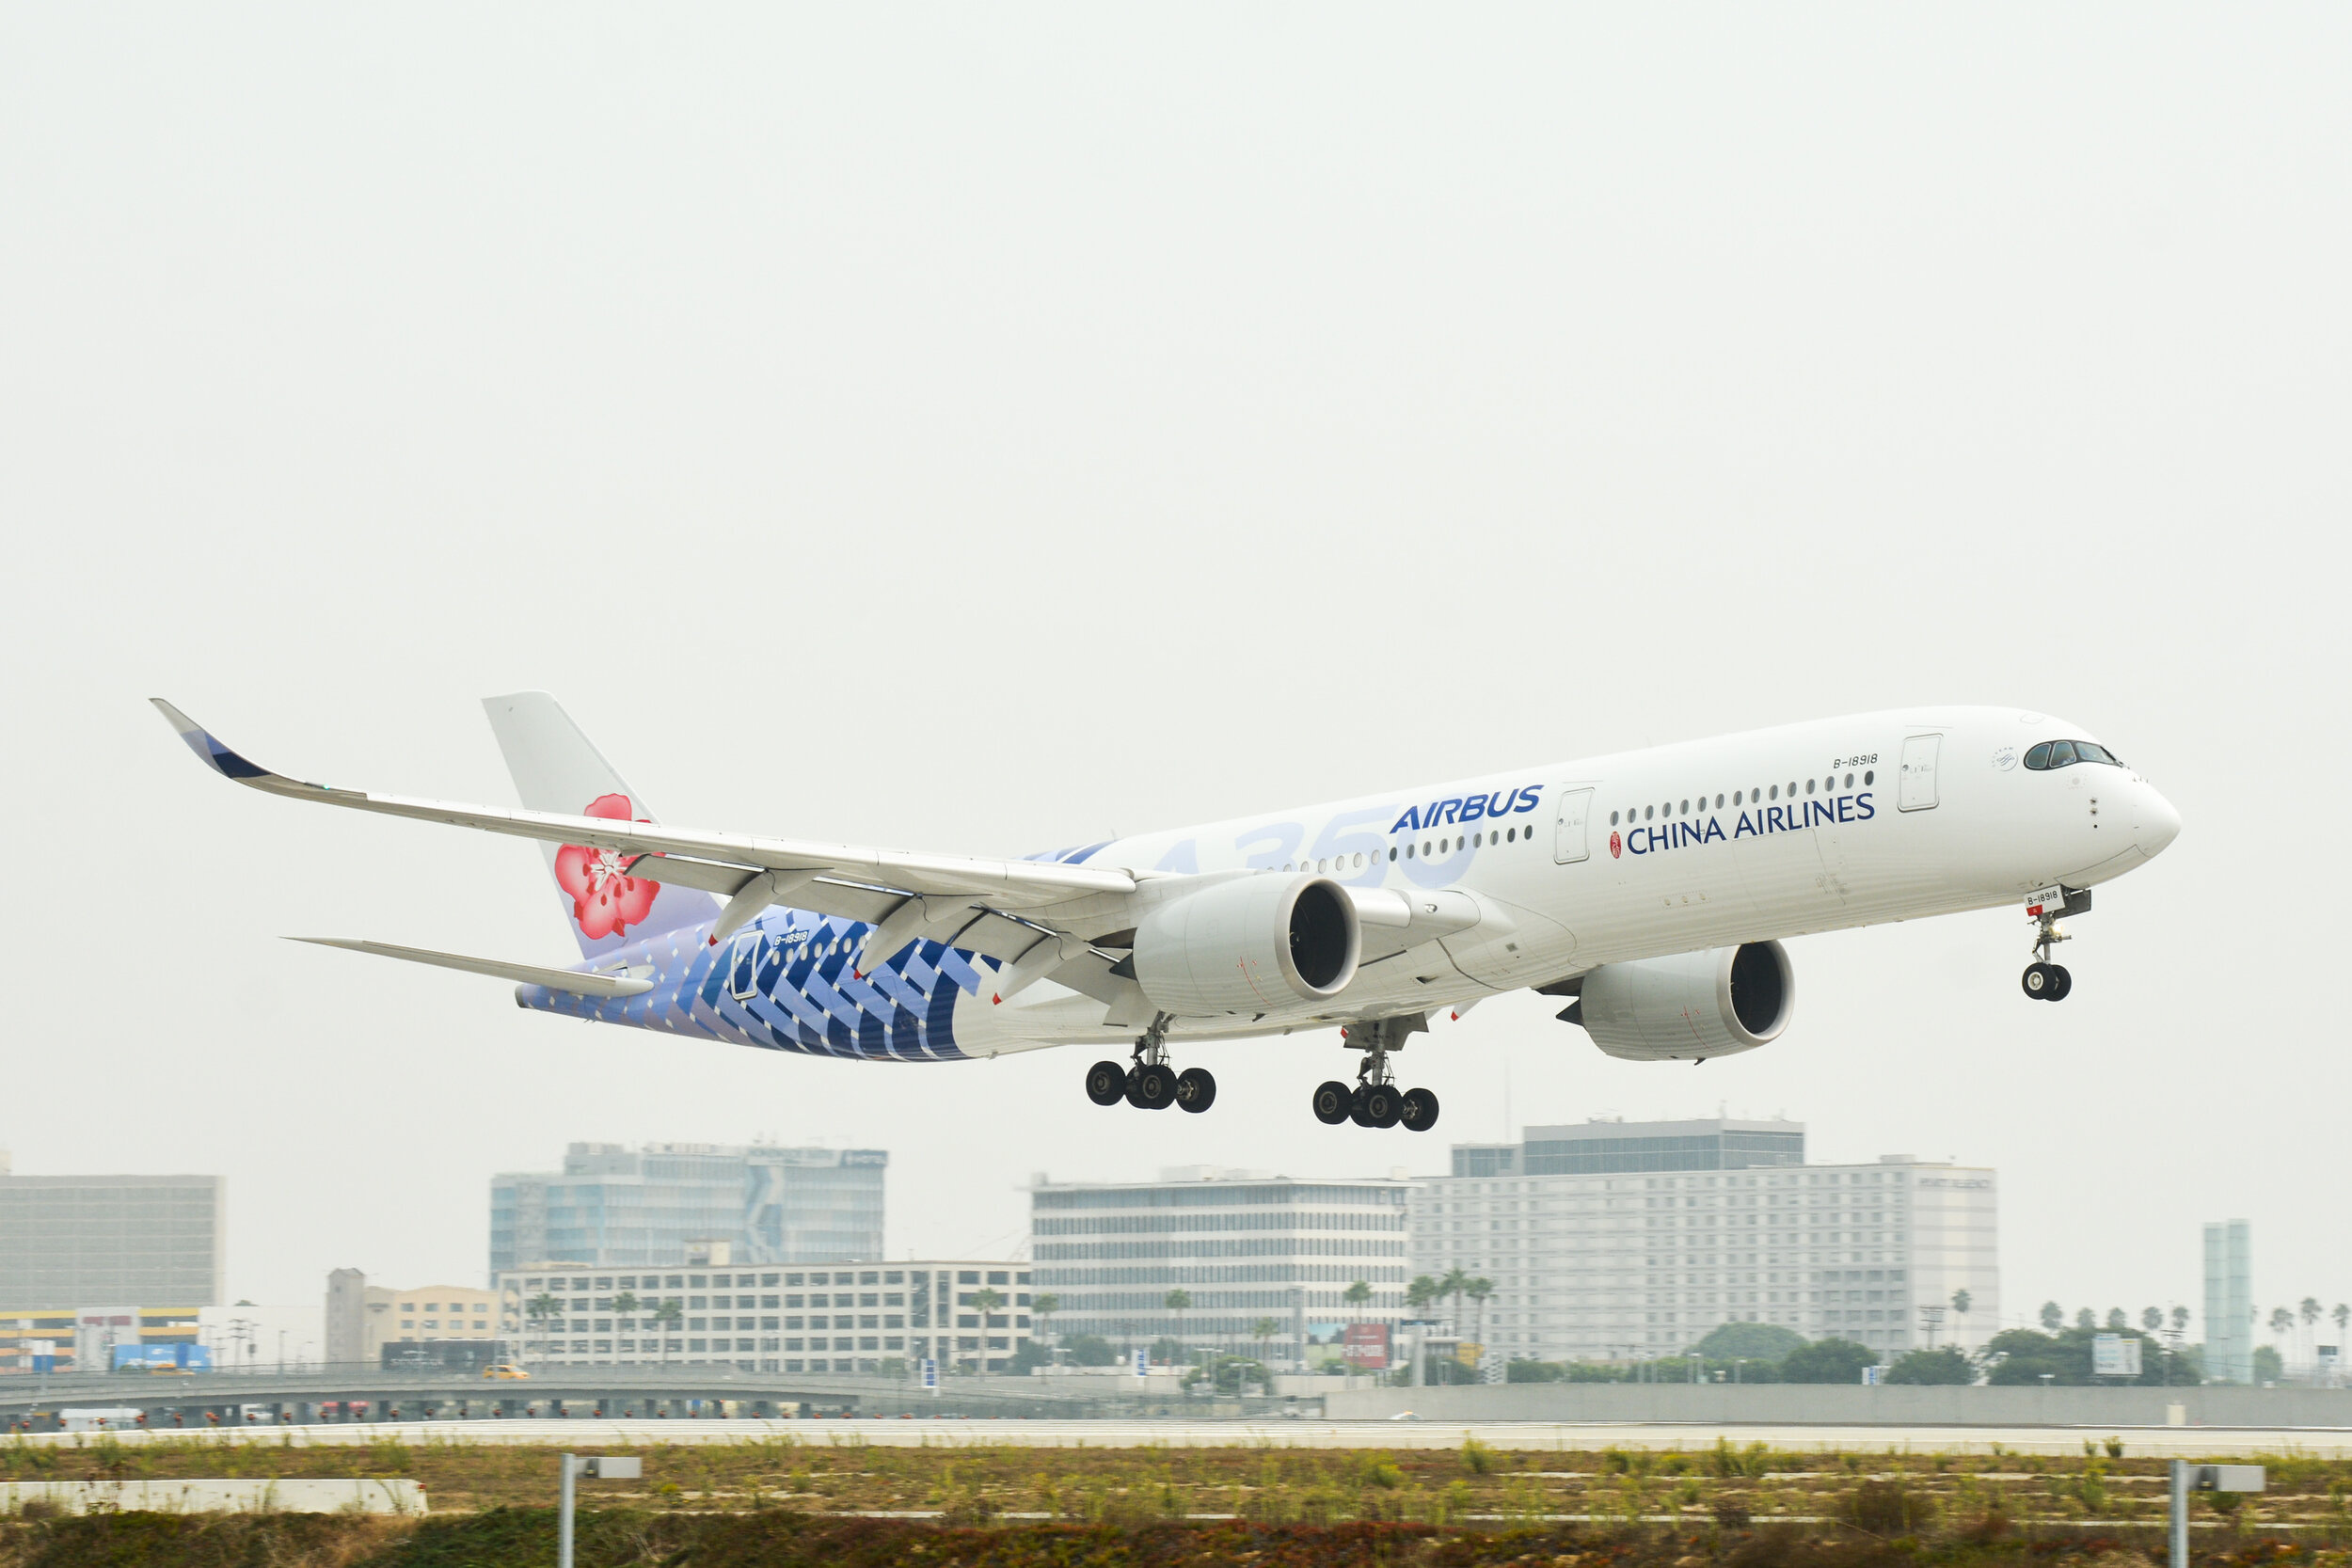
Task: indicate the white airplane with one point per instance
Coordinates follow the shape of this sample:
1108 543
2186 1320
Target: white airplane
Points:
1651 889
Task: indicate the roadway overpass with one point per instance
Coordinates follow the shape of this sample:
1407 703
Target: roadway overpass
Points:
649 1392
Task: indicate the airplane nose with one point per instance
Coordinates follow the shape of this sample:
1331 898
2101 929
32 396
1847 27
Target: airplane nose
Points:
2159 823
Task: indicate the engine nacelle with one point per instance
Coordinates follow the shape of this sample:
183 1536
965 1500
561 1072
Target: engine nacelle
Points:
1691 1005
1254 945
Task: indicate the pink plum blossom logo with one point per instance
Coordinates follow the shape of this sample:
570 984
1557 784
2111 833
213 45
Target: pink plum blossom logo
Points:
606 899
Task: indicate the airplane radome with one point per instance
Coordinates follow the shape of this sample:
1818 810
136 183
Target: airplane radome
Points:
1649 890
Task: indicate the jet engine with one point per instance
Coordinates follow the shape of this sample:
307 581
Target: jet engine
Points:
1690 1006
1254 945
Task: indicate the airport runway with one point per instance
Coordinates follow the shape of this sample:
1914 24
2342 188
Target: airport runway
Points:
588 1434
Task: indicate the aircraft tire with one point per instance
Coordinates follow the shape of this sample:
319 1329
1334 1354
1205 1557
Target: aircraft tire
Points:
1151 1089
2037 981
1195 1089
1383 1105
1106 1082
1333 1101
2061 981
1419 1111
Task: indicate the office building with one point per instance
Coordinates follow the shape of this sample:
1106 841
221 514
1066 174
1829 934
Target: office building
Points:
71 1239
87 1338
611 1206
1245 1246
2230 1301
1615 1241
363 1319
835 1320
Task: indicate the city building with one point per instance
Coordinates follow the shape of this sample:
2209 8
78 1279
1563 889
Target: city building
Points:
87 1338
611 1206
1616 1241
836 1319
1248 1249
69 1238
363 1319
2230 1301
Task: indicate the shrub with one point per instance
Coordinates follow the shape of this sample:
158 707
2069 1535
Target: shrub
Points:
1477 1458
1885 1508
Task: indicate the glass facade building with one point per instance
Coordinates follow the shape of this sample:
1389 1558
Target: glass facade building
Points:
67 1241
616 1207
2230 1301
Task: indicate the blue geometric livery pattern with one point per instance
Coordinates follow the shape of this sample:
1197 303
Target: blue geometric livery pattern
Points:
784 983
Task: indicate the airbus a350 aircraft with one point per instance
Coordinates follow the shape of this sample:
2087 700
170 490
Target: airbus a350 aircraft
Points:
1650 890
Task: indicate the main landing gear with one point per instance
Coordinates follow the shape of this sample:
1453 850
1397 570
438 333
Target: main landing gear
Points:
2043 980
1148 1083
1375 1100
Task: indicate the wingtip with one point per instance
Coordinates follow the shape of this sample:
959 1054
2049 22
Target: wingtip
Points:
207 746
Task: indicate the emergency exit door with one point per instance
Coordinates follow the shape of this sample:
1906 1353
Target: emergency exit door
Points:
1568 833
1918 781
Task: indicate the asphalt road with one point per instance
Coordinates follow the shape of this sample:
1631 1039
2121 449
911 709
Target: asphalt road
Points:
588 1435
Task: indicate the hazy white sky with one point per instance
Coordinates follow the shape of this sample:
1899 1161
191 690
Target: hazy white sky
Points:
985 429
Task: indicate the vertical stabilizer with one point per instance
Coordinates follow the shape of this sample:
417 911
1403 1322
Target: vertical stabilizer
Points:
558 769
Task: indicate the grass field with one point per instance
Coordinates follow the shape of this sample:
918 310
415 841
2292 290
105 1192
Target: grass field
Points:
780 1501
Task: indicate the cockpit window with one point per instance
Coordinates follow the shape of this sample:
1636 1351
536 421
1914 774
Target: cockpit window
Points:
2065 754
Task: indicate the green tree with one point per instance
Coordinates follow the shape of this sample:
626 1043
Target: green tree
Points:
2053 1317
539 1308
1734 1341
1262 1329
1946 1365
2086 1318
2343 1314
1827 1361
2180 1320
1042 1307
1179 1302
2152 1319
1357 1296
1422 1294
626 1303
1453 1287
2117 1319
1090 1350
2269 1367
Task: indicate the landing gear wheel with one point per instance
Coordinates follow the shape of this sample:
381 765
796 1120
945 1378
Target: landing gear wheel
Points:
1195 1089
1418 1110
1152 1088
1333 1101
2061 981
1106 1082
1382 1105
1356 1106
2037 981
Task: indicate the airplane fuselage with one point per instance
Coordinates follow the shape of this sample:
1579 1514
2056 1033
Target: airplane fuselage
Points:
1531 876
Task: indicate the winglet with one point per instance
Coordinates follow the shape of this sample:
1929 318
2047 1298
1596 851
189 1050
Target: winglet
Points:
208 750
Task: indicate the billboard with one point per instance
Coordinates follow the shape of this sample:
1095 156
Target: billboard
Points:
2114 1355
1366 1345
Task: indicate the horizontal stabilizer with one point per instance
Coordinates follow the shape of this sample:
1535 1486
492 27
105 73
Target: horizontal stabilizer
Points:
530 975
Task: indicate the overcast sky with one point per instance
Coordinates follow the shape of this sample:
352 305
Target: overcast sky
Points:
982 429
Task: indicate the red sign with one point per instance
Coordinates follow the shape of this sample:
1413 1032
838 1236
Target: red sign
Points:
1366 1345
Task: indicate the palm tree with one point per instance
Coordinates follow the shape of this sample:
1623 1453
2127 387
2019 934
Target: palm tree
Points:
2180 1320
2152 1319
669 1315
2117 1320
1178 1300
2053 1317
2343 1314
1456 1284
1042 1307
1421 1293
1262 1329
539 1308
1357 1296
1478 1291
2311 1311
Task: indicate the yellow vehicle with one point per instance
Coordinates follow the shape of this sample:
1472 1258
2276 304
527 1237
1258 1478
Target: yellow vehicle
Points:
505 1372
170 1371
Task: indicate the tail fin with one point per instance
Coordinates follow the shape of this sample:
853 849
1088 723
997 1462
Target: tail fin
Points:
558 769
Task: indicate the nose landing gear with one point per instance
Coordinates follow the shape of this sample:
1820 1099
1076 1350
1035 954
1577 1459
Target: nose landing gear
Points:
1375 1100
1148 1083
2045 981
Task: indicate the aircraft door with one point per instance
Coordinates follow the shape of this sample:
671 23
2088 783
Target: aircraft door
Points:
1568 839
1918 783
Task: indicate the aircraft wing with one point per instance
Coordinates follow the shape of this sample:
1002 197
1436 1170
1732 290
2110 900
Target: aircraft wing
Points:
1007 908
